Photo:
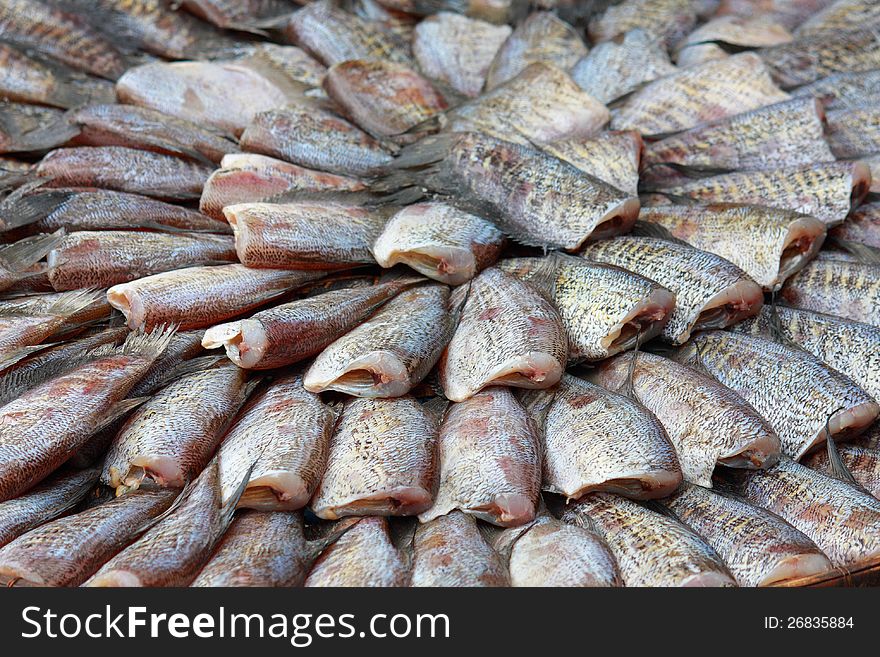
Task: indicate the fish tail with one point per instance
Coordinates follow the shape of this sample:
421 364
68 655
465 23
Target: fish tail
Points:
20 208
149 344
19 256
72 302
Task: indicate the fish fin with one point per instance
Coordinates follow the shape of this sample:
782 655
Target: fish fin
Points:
545 275
149 344
330 534
45 137
867 255
183 369
19 208
20 255
119 410
10 358
775 324
627 388
228 508
651 229
177 149
74 301
658 507
836 466
436 407
402 276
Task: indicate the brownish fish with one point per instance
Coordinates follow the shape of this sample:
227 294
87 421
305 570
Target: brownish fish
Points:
244 15
860 457
21 329
854 131
716 38
861 225
611 156
669 20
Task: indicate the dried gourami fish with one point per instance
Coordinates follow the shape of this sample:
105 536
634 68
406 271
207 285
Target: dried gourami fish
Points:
148 129
768 244
542 37
260 548
789 13
836 287
714 39
363 556
801 397
695 95
316 138
291 332
47 210
707 423
65 552
21 329
540 105
842 90
450 551
531 195
153 26
335 232
226 95
790 133
604 309
439 241
810 58
854 131
45 425
201 296
183 346
44 502
389 353
841 15
169 439
669 20
18 258
104 258
610 156
548 552
382 461
598 440
384 98
61 35
826 191
296 63
860 458
760 548
842 520
334 35
612 70
490 460
508 335
247 15
861 225
27 79
849 347
286 430
248 177
25 127
457 50
651 549
37 303
172 552
710 292
125 170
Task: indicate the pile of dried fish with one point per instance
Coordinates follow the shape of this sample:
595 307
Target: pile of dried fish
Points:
401 293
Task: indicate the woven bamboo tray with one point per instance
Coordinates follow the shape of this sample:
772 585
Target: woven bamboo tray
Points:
866 575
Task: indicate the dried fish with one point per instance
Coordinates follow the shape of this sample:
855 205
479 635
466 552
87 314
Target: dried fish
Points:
861 225
669 20
836 287
712 40
854 132
860 457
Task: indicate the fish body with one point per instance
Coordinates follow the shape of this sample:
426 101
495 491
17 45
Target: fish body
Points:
854 132
247 15
861 457
861 225
713 39
611 156
842 90
669 20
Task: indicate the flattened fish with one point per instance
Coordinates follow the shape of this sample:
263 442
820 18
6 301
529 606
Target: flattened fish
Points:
183 346
21 329
836 287
25 127
760 548
799 396
532 196
125 170
260 548
248 178
612 70
548 552
849 347
710 292
170 438
854 131
707 423
363 556
789 13
389 353
542 37
65 552
104 258
610 156
508 335
769 244
826 191
317 139
842 520
286 430
291 332
490 460
196 297
669 20
244 15
604 308
651 549
439 241
308 234
790 133
44 502
861 458
861 225
540 105
457 50
714 39
598 440
384 98
842 90
17 260
493 11
450 551
699 94
841 15
383 460
45 425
